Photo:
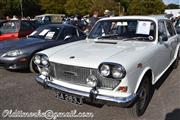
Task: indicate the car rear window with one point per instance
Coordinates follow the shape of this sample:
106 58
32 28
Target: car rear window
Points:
9 27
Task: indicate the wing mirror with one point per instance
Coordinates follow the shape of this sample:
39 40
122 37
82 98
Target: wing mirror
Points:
68 37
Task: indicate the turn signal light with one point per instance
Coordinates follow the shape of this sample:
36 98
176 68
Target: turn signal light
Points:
123 89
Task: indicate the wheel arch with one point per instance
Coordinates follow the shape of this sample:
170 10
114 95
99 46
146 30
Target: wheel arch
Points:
146 72
177 50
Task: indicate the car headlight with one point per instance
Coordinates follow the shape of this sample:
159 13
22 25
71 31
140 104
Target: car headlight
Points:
37 59
44 71
13 53
118 72
44 60
104 70
112 70
41 59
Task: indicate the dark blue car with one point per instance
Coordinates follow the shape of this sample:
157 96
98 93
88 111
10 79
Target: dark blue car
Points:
19 54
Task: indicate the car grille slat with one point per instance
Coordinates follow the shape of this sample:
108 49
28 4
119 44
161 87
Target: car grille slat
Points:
78 75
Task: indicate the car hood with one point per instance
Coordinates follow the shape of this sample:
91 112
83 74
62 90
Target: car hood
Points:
18 44
91 54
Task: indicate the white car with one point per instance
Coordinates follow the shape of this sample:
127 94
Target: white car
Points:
118 63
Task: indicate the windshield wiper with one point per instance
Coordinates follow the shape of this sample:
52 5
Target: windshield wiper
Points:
108 36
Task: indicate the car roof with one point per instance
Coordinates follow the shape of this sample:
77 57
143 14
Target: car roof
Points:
152 17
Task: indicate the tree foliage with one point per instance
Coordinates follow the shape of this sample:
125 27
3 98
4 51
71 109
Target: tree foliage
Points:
88 6
83 7
145 7
172 6
31 7
11 7
52 6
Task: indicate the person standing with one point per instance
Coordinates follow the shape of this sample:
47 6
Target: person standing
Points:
107 13
8 18
93 19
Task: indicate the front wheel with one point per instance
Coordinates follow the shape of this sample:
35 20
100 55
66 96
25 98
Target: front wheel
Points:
32 66
141 104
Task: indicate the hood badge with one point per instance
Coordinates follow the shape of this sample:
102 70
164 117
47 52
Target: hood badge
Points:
72 57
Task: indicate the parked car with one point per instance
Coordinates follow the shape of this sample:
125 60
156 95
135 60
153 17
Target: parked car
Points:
49 18
15 29
122 58
19 54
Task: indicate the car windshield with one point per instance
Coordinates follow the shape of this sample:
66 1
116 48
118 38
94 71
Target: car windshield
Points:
124 30
46 33
9 27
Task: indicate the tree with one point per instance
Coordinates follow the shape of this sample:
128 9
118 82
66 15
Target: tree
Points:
31 8
53 6
10 7
172 6
84 7
123 4
73 7
146 7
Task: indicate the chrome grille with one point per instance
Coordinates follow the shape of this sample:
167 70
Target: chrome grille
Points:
78 75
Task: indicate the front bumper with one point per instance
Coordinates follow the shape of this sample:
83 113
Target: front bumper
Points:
99 99
19 62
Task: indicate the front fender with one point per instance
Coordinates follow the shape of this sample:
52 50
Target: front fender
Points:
144 71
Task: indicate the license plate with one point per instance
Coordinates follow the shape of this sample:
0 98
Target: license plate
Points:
69 98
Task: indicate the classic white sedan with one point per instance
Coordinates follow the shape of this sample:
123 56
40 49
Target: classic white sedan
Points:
118 63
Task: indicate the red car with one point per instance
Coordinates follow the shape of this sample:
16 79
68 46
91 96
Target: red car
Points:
15 29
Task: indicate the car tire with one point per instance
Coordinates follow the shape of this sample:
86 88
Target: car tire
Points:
142 102
32 66
176 62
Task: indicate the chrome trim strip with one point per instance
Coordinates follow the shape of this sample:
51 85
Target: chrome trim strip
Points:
120 100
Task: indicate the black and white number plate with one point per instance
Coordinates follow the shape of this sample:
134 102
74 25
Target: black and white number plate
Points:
69 98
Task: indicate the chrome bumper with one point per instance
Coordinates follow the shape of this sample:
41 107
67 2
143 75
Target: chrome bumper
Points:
102 99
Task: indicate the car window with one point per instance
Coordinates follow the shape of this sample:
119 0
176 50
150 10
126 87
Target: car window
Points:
26 26
162 33
170 29
161 29
9 27
68 31
47 19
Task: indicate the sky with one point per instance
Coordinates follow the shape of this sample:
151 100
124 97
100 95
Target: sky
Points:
172 1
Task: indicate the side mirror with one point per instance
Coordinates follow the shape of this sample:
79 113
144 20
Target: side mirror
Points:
68 37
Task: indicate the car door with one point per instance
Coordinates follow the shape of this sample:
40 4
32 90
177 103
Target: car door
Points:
172 38
163 50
